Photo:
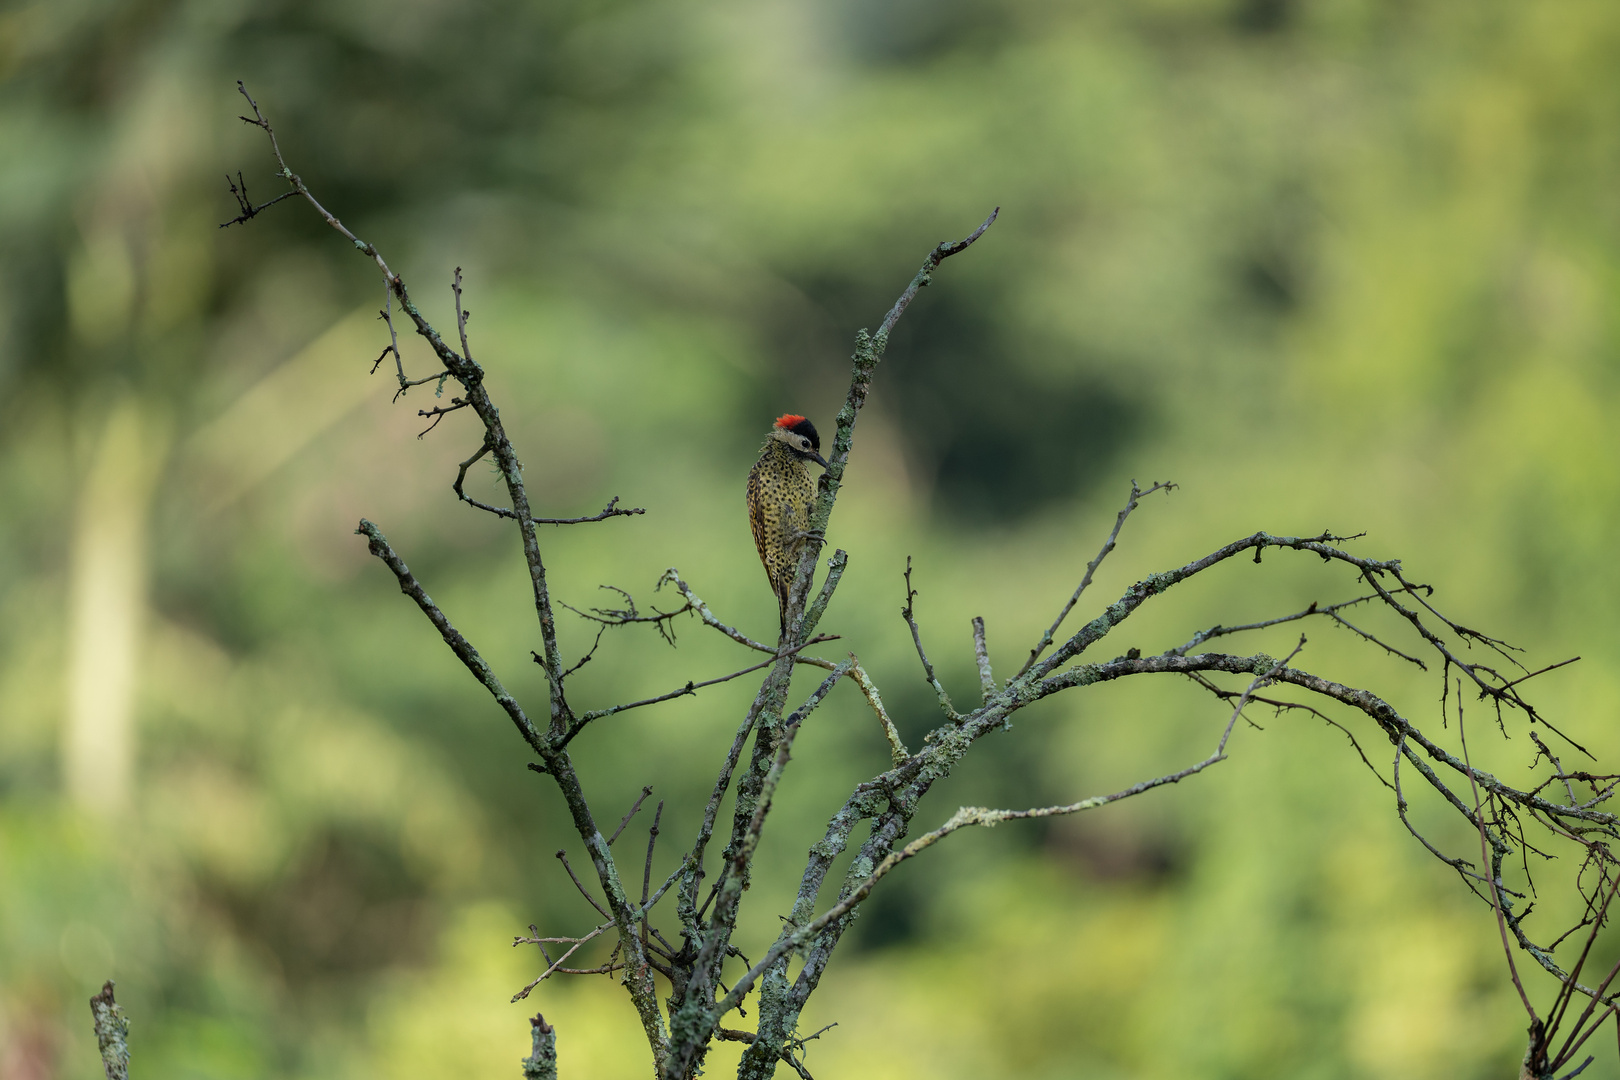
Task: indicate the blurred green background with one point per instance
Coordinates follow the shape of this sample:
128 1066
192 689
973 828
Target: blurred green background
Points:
1343 264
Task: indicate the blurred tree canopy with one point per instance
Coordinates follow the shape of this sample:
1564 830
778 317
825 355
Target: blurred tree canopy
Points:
1344 263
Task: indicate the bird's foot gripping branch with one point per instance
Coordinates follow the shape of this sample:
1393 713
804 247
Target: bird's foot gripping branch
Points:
642 945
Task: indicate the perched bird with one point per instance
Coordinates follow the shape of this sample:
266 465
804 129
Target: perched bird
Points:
780 496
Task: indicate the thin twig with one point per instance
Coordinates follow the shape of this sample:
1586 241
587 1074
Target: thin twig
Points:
725 1034
688 689
1485 859
891 734
249 211
916 639
562 857
978 815
459 645
981 655
439 412
696 606
638 979
1137 494
557 965
646 791
940 253
461 315
646 870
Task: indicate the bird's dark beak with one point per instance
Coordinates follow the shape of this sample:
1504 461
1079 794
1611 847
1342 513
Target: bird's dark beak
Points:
818 459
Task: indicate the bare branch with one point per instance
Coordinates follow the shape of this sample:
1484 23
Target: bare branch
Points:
978 815
1558 765
646 871
688 689
916 638
611 510
562 857
1462 866
897 748
695 604
387 316
981 655
733 873
1137 494
835 574
1573 1041
735 1035
1329 611
1282 705
462 315
439 412
541 1064
452 637
557 965
240 193
112 1033
1539 671
687 910
646 791
682 692
1485 859
779 765
944 251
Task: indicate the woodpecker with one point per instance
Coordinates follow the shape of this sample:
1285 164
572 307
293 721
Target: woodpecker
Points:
780 496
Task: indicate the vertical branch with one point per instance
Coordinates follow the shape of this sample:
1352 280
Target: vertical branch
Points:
693 1024
686 908
981 654
471 376
646 870
466 371
1494 871
541 1064
908 614
112 1033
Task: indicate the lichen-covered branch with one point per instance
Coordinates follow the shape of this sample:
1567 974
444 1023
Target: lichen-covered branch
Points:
378 544
638 978
112 1033
693 1019
541 1064
1137 494
886 804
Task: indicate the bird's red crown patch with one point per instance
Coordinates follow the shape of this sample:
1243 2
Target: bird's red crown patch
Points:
788 421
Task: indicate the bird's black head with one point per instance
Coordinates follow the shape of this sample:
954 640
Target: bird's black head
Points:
800 436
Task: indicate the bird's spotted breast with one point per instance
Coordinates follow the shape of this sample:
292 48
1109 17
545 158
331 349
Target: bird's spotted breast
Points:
780 493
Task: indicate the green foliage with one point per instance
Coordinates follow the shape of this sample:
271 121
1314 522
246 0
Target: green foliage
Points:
1344 264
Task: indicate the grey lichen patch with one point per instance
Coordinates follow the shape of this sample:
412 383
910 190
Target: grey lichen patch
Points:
1086 674
1024 691
867 805
1263 664
826 848
112 1033
692 1024
541 1064
1157 583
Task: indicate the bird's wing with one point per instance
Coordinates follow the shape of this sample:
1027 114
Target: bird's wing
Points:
756 517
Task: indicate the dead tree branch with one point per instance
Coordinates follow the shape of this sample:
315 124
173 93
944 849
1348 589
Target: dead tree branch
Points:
1509 821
